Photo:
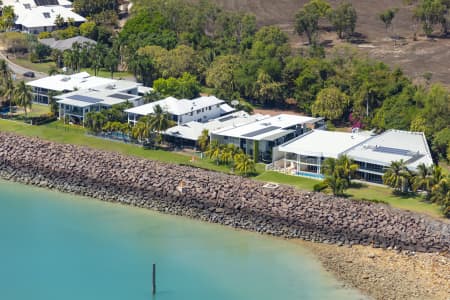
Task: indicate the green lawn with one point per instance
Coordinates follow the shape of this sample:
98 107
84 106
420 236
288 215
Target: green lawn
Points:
39 67
299 182
61 133
38 110
408 202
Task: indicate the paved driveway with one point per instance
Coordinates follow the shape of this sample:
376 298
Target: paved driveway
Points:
19 70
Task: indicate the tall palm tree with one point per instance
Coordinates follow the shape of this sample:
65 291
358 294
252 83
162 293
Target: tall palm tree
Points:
5 72
203 140
329 166
23 95
159 121
227 154
423 179
214 151
440 194
141 130
397 176
347 167
244 164
8 93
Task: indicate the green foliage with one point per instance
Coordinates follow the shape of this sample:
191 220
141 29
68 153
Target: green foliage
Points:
44 35
7 18
318 187
14 41
338 173
331 103
91 7
344 19
441 141
398 176
203 140
186 86
23 96
307 23
387 16
430 13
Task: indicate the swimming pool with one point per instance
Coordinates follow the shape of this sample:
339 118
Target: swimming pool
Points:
310 175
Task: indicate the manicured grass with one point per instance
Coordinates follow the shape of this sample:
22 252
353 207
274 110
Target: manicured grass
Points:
407 202
363 191
299 182
39 67
61 133
58 132
38 110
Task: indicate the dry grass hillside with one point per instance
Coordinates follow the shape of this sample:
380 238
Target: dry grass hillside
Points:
415 57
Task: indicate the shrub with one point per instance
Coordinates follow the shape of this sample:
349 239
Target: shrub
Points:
318 187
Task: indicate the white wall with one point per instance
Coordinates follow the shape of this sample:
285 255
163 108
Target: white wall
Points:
201 115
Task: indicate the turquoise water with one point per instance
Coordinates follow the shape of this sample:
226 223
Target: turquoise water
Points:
58 246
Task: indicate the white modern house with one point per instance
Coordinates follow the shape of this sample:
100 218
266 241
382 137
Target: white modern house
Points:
187 134
260 137
75 105
62 83
35 16
377 153
304 155
182 111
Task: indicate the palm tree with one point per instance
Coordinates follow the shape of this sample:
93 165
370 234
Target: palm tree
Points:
329 166
227 154
423 179
23 95
159 121
336 183
5 72
203 140
8 93
397 176
141 130
214 150
244 164
440 194
52 102
347 167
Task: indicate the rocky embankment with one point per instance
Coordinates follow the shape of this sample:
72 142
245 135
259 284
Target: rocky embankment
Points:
216 197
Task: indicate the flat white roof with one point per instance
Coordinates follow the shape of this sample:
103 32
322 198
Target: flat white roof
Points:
265 128
79 81
192 130
175 106
85 98
394 145
31 15
322 143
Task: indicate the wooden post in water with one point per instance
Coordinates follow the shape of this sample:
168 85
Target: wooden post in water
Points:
154 279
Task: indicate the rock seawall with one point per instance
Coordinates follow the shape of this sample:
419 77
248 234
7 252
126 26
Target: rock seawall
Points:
216 197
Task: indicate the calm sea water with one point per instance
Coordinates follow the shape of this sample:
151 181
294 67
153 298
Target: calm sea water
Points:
58 246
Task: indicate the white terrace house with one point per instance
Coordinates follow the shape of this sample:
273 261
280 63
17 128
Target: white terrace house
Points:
75 105
182 111
187 134
258 138
304 155
62 83
35 16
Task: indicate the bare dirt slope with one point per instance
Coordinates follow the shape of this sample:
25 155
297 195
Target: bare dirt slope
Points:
415 57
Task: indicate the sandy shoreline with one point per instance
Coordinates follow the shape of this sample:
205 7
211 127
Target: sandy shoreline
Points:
386 274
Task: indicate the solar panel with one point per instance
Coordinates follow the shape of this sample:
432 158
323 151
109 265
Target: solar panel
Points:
85 98
226 118
260 131
122 96
392 150
46 2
